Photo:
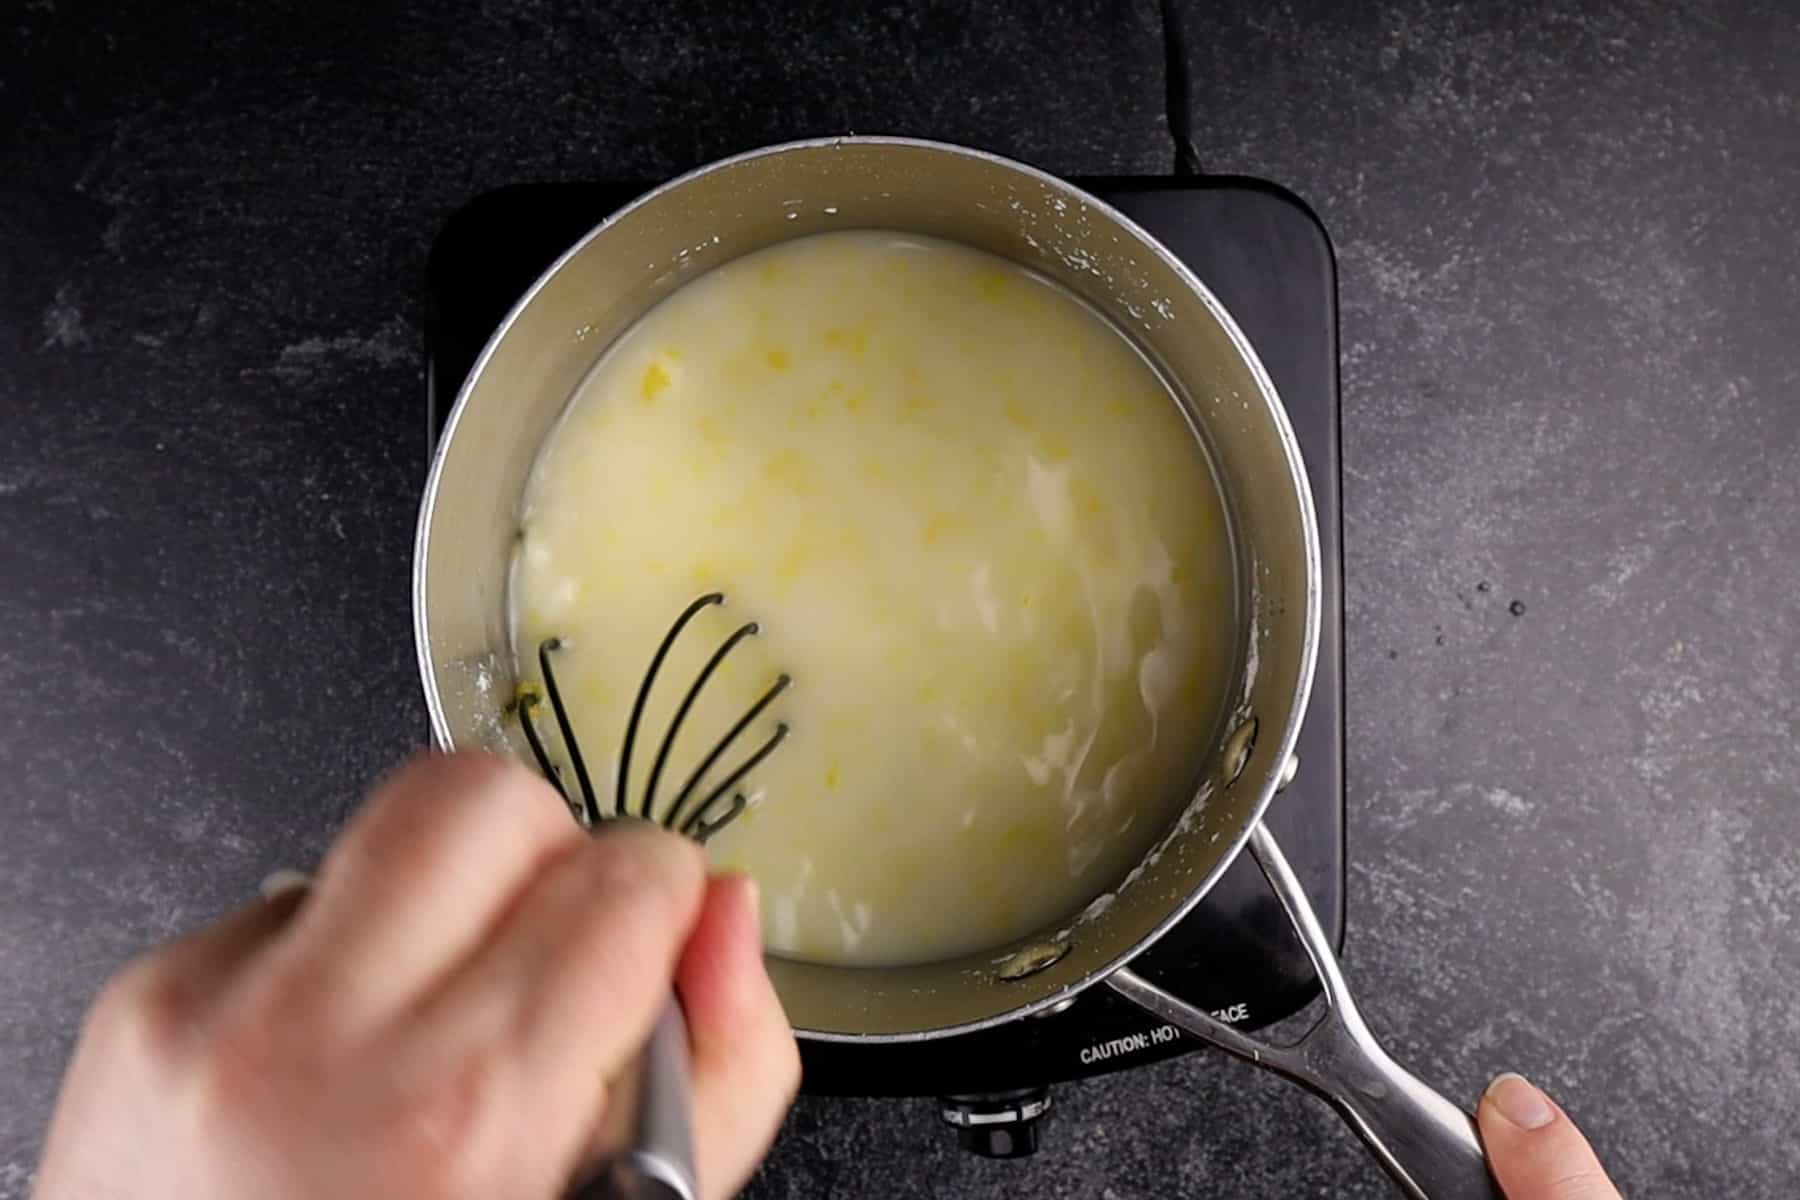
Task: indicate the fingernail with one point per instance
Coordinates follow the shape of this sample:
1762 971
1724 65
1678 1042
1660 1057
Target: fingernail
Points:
280 882
752 894
1514 1097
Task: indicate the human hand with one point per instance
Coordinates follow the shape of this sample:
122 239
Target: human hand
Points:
438 1017
1535 1151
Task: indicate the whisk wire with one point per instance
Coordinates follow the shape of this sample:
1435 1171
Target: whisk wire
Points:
731 780
718 751
528 701
701 830
706 819
590 804
643 696
647 805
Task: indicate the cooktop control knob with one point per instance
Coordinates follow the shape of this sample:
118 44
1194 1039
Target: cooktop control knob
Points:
997 1124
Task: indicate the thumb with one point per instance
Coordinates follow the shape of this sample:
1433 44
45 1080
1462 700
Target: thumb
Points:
1534 1149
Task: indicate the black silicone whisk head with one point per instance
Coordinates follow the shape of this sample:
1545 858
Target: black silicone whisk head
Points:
699 822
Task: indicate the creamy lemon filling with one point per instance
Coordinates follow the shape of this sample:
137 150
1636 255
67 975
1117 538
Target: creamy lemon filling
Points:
974 529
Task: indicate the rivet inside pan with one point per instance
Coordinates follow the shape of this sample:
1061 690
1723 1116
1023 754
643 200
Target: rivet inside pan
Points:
1238 748
1031 959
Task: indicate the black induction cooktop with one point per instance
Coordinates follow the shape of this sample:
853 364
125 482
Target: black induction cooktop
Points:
1268 259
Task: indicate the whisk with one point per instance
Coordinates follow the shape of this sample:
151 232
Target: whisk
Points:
659 1160
700 824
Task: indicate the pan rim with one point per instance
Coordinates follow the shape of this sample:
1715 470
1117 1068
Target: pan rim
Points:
1290 721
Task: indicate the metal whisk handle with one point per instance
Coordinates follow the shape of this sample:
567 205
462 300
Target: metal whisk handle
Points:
658 1160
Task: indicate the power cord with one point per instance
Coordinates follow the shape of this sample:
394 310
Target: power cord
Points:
1178 91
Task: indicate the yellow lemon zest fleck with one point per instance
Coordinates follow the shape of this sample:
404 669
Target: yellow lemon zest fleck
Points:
1085 497
851 341
792 562
992 285
656 381
791 468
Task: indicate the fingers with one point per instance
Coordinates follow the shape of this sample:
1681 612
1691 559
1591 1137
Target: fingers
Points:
1534 1149
746 1066
200 963
163 1003
572 980
421 875
442 1013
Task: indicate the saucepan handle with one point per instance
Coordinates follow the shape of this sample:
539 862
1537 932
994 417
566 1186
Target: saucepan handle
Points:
1428 1144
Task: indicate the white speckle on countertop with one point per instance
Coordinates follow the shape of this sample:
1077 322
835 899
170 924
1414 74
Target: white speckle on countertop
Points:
63 326
395 342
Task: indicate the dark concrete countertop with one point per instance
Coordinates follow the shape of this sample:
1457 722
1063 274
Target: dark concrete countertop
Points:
1571 370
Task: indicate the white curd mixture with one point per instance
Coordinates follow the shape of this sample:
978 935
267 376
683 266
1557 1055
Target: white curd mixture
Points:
975 530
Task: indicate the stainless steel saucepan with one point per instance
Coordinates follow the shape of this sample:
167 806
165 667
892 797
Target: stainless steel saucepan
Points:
526 375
